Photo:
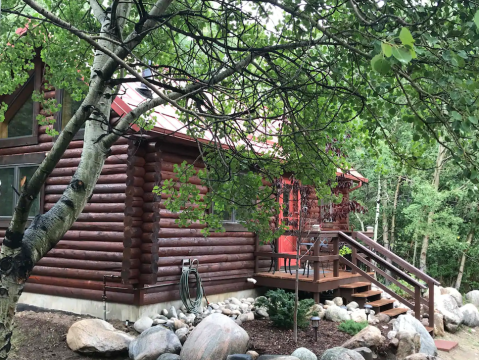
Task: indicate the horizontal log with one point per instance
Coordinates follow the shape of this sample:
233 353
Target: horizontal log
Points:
83 264
209 276
134 191
90 245
185 232
169 166
89 255
79 284
73 162
44 138
103 179
79 273
205 259
170 223
103 226
101 217
200 250
99 189
106 236
112 297
97 208
150 185
201 241
151 177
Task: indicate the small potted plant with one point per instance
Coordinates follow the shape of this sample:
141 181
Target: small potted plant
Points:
346 252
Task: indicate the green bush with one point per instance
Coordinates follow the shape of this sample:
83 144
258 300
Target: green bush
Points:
280 306
396 289
351 327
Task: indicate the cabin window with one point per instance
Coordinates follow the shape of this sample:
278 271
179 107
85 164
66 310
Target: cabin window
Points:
69 108
11 178
231 217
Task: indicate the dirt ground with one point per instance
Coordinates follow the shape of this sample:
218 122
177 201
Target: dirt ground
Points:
468 348
42 336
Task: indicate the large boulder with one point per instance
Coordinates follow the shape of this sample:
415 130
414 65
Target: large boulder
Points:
409 342
359 316
470 315
304 354
336 314
143 324
215 337
352 306
437 292
95 336
454 293
473 297
447 306
340 353
409 323
369 337
154 342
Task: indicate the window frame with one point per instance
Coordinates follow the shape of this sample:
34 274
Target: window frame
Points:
16 162
59 95
16 100
232 225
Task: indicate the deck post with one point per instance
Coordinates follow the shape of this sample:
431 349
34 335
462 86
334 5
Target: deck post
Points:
316 297
430 285
316 263
256 258
417 302
354 254
335 241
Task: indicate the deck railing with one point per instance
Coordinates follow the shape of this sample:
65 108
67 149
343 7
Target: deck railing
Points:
367 256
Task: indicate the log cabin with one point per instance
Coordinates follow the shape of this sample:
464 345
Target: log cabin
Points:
126 248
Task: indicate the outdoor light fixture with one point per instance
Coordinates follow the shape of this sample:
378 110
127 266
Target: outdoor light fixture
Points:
315 323
367 309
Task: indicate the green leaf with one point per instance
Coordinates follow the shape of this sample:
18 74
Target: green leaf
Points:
473 119
476 19
406 37
456 115
380 64
402 54
387 49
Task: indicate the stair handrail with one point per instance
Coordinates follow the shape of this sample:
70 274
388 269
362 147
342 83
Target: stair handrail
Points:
388 253
383 262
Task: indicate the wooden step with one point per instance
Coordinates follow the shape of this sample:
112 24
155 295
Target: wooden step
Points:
394 312
381 302
368 293
355 285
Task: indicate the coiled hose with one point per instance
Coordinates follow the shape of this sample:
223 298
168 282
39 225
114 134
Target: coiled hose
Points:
192 306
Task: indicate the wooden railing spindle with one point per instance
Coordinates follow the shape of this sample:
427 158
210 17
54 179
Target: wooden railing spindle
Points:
335 242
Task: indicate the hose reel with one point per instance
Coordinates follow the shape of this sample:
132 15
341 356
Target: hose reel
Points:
191 305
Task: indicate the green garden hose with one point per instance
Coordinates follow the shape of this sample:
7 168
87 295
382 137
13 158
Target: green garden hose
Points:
192 306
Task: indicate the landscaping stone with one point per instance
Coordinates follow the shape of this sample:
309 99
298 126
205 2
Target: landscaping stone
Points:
437 292
447 306
329 303
154 342
304 354
172 312
454 293
253 354
95 336
392 334
336 314
143 323
352 305
215 337
439 324
246 317
452 328
169 357
277 357
421 356
365 352
358 316
338 301
409 323
473 297
383 318
239 357
261 314
227 312
182 334
369 337
409 343
340 353
470 315
235 301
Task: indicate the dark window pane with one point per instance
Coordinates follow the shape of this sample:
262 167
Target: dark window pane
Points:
22 122
6 192
69 108
28 172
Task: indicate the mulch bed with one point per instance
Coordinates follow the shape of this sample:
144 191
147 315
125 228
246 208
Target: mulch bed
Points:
267 339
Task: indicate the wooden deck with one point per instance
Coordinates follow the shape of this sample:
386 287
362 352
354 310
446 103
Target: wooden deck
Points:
326 282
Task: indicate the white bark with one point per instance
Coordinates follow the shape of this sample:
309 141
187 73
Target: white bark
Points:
470 237
378 205
361 222
393 219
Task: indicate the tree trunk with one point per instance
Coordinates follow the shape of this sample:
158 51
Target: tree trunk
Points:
385 215
470 237
414 250
393 218
360 221
378 204
435 182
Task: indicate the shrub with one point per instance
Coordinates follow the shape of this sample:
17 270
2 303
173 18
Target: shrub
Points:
351 327
280 306
396 289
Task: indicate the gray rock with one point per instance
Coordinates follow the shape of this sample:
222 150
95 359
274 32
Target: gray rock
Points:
239 357
253 354
365 352
336 314
409 323
447 306
338 301
420 356
304 354
169 357
470 315
154 342
143 323
164 312
454 293
409 343
227 312
159 322
246 317
329 303
392 334
182 333
358 316
439 324
383 318
261 314
95 336
172 312
473 297
232 307
215 337
452 328
370 336
340 353
437 292
277 357
352 305
235 301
